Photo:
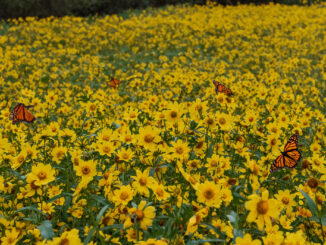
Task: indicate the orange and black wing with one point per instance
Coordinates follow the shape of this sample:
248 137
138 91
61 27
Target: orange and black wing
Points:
221 88
21 114
114 82
277 164
291 152
290 157
292 143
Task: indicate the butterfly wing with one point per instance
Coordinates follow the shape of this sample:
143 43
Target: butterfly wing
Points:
292 158
20 114
28 117
114 82
291 152
14 115
277 164
221 88
292 143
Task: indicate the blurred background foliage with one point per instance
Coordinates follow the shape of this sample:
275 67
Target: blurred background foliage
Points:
45 8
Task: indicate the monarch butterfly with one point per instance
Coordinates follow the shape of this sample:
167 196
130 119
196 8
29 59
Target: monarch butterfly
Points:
21 114
221 88
114 82
290 157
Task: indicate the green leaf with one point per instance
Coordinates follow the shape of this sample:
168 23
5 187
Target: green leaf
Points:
89 236
46 229
100 214
205 240
234 219
216 230
311 204
31 208
99 199
119 227
323 220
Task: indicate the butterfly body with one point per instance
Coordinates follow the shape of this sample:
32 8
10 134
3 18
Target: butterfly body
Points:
289 157
221 88
21 114
114 82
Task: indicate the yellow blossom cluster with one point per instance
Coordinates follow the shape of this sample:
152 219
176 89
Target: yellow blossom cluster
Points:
161 157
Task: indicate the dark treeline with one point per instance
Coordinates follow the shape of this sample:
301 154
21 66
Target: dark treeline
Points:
45 8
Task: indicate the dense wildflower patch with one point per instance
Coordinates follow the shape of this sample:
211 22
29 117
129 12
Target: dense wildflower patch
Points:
157 156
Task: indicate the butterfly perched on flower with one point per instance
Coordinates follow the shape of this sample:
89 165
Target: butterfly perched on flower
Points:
290 156
221 88
21 114
114 82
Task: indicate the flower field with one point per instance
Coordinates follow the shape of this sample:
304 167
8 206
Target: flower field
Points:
132 143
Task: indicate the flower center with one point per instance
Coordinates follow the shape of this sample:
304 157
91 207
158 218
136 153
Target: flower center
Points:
179 150
64 241
140 215
210 121
285 200
148 138
106 149
125 156
262 207
222 121
213 163
41 175
273 142
106 137
199 145
312 183
159 192
20 159
86 170
208 194
124 195
173 114
143 181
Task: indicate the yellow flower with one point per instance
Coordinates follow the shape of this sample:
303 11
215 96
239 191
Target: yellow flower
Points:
286 199
180 149
209 193
250 118
11 237
246 240
46 208
148 137
152 241
261 209
142 215
123 195
160 192
142 182
131 115
125 154
41 174
225 121
86 169
174 113
67 237
105 148
58 153
297 238
134 235
195 220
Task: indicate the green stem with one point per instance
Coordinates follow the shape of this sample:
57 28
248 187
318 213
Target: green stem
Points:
321 229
